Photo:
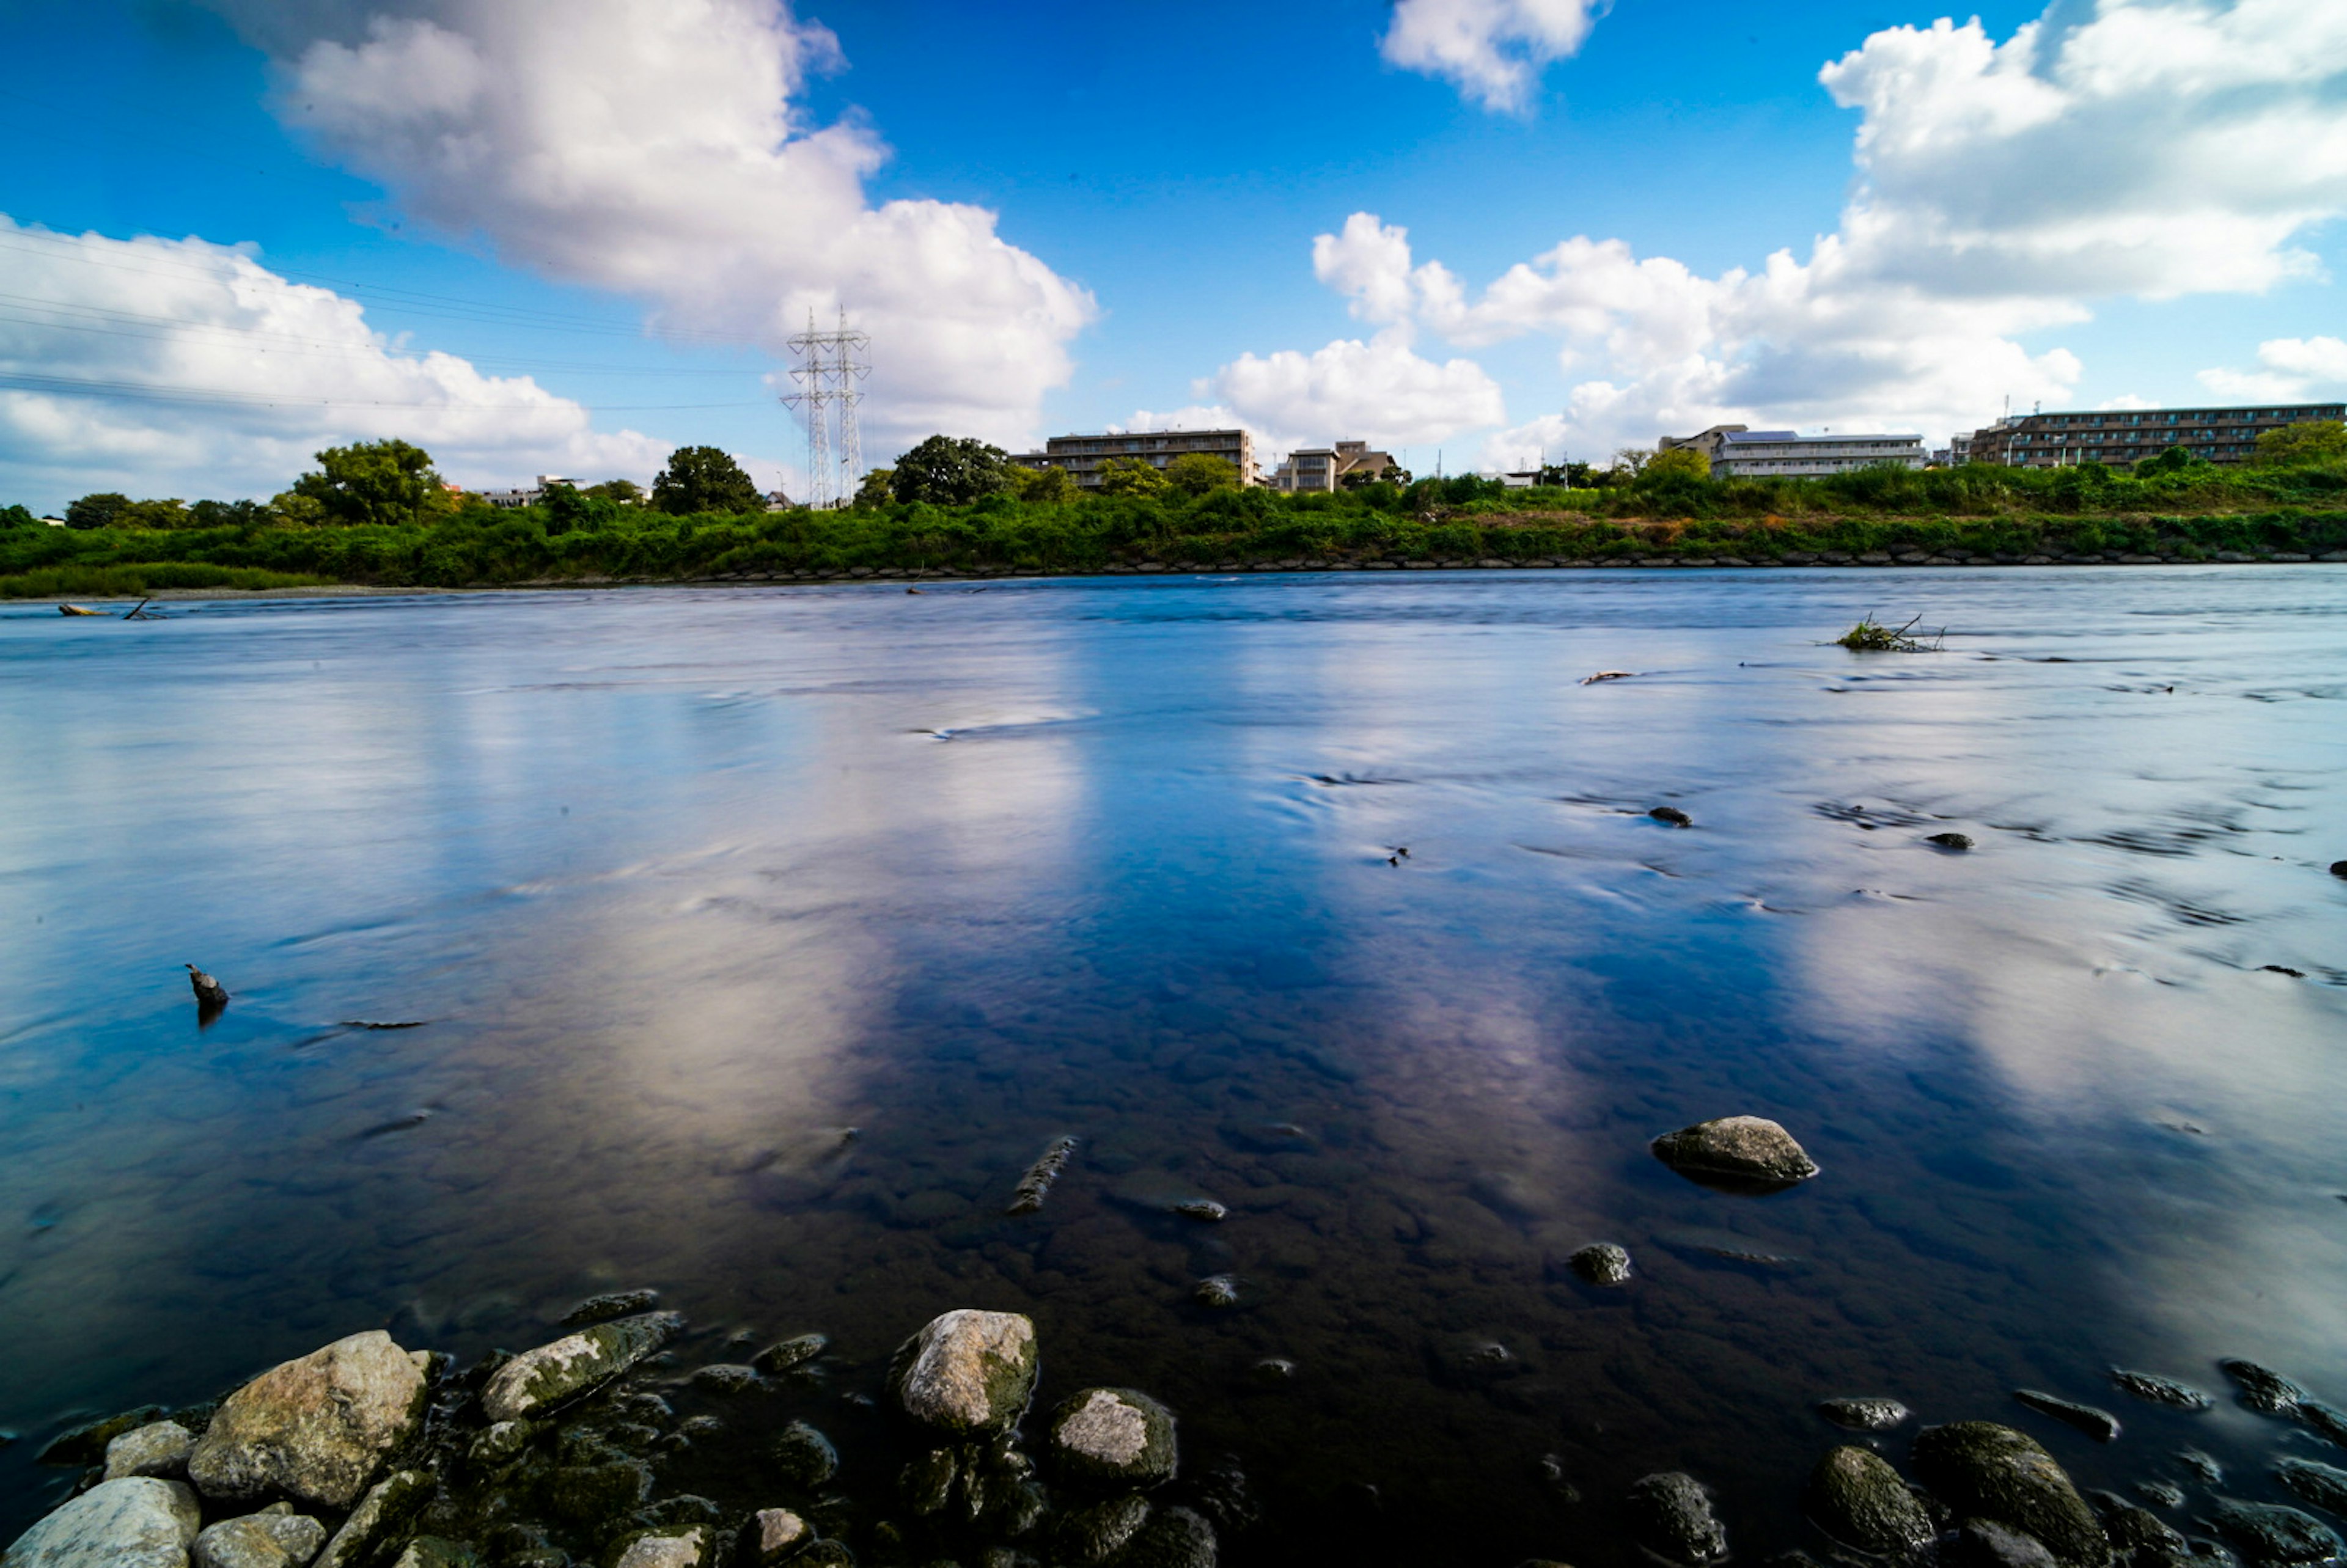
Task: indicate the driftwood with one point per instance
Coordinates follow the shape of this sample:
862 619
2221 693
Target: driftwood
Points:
1607 675
76 609
141 612
1037 1182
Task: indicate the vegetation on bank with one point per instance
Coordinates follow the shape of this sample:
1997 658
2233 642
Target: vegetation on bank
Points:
377 515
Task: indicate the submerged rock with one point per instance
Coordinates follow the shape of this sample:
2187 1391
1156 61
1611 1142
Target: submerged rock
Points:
790 1355
1204 1210
159 1447
2139 1538
2327 1421
726 1377
802 1456
2163 1493
2264 1390
1670 1515
1671 815
1092 1535
612 1304
2274 1533
137 1522
1218 1290
2325 1486
382 1515
2201 1465
1985 1544
1173 1538
1114 1435
967 1372
536 1380
265 1540
1990 1471
1865 1415
315 1428
1750 1149
2099 1424
2152 1389
1958 842
1856 1497
1601 1262
1036 1184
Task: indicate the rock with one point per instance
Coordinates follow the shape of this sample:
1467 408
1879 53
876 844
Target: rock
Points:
926 1483
2139 1538
1670 1515
684 1548
802 1456
2339 868
1216 1291
1202 1209
1092 1535
316 1427
2273 1533
2162 1493
2325 1486
2266 1392
2201 1465
436 1552
1958 842
825 1555
211 995
967 1372
1985 1470
2099 1424
386 1510
1746 1150
613 1304
1856 1497
726 1377
2330 1424
137 1522
1036 1184
159 1447
790 1355
770 1535
1601 1262
2154 1389
537 1380
1672 816
1865 1415
85 1445
592 1495
1113 1435
1173 1538
501 1442
1556 1479
1984 1543
261 1541
1273 1372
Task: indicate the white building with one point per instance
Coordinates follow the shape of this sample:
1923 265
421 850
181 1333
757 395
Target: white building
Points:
512 500
1780 454
1326 468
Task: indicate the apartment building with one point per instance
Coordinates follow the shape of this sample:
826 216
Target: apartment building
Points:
1329 469
1084 456
1781 454
2116 436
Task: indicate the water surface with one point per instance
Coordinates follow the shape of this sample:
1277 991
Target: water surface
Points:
684 886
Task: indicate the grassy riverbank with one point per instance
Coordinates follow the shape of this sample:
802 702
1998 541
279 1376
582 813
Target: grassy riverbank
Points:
1975 513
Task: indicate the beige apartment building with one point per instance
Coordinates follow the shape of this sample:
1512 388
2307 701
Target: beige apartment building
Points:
1084 456
1328 468
2116 436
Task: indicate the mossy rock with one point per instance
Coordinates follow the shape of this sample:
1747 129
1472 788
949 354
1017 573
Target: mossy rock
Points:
1982 1470
967 1372
537 1380
1119 1436
1857 1498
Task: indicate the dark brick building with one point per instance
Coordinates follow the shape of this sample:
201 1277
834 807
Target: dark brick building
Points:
2122 436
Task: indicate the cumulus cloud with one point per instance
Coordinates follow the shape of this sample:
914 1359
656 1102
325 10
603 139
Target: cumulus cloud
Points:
2152 148
652 148
182 367
1492 51
2291 368
1382 391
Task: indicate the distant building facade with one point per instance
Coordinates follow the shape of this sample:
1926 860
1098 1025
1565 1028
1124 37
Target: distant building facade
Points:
1324 469
1781 454
2114 435
1707 442
513 500
1083 457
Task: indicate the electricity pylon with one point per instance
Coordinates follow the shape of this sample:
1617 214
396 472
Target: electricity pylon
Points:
829 368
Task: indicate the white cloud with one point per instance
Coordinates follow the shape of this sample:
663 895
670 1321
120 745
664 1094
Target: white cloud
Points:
1492 51
652 148
182 367
1380 391
2152 148
2294 368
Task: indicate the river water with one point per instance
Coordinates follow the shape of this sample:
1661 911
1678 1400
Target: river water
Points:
761 939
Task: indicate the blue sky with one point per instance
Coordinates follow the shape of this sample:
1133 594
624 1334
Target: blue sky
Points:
623 201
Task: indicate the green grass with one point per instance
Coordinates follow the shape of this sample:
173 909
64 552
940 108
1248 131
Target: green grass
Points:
86 582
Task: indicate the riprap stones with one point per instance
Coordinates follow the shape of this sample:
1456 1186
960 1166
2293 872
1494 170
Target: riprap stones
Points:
967 1372
1741 1151
316 1427
1857 1498
1113 1435
1985 1470
536 1380
138 1522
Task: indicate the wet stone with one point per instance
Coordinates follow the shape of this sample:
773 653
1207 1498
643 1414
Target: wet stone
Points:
1204 1210
158 1449
769 1536
684 1508
86 1444
541 1380
1857 1498
1272 1372
1672 816
2201 1465
1601 1262
1745 1150
613 1304
1173 1538
261 1541
2275 1532
686 1548
1670 1515
1865 1415
1217 1291
2160 1493
436 1552
2264 1390
726 1377
501 1442
593 1494
802 1456
2139 1538
1093 1536
790 1355
2154 1389
967 1372
926 1483
2099 1424
1958 842
2324 1485
381 1516
315 1428
2324 1419
1985 1544
1985 1470
1118 1435
137 1522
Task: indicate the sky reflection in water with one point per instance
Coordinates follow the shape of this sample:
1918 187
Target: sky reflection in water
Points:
685 884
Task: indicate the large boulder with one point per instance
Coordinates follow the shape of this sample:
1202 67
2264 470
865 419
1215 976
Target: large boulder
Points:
967 1372
315 1428
1738 1151
537 1380
1116 1435
1856 1497
138 1522
275 1538
1983 1470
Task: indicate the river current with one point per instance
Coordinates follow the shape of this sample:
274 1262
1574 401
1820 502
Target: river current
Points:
761 939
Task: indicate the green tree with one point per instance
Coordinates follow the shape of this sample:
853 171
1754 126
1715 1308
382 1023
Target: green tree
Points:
1044 487
1678 462
704 480
627 492
1195 473
171 514
387 482
1130 477
950 471
877 491
566 509
2308 441
227 514
17 517
2175 460
97 510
